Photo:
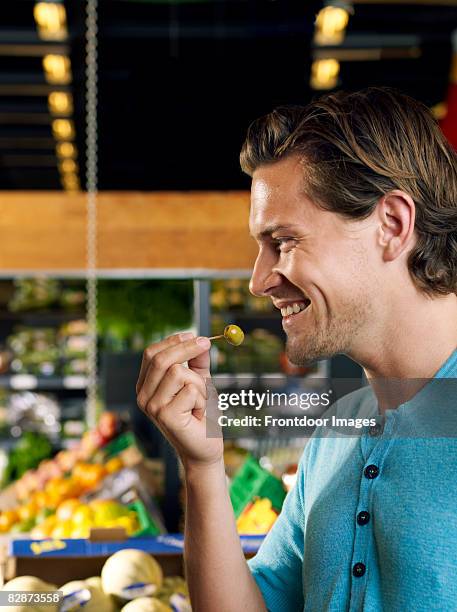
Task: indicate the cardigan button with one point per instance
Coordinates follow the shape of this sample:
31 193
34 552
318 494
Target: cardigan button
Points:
363 517
359 570
371 471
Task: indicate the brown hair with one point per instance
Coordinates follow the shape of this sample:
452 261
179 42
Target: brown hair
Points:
356 147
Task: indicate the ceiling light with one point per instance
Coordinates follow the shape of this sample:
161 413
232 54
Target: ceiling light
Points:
57 69
68 166
70 182
60 103
51 20
324 73
66 150
331 23
63 129
439 111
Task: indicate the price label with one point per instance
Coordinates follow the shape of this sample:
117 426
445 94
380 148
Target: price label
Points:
23 382
75 382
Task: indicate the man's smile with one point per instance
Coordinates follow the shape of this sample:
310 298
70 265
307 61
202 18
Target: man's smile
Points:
292 307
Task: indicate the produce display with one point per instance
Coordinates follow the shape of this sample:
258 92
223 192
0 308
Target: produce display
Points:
48 351
31 449
79 493
38 293
51 499
131 580
258 518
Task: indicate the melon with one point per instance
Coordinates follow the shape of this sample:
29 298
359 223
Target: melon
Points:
87 595
131 573
146 604
30 583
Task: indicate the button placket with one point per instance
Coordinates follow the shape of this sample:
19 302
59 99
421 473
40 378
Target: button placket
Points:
371 471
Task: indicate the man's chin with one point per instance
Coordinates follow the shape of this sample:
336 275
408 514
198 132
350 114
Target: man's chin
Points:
304 354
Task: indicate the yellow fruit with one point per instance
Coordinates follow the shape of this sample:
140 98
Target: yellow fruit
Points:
7 519
66 509
27 511
81 515
81 531
128 567
109 511
62 529
47 525
40 499
129 523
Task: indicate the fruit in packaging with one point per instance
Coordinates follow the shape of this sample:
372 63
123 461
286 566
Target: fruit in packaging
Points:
146 604
30 583
87 595
131 573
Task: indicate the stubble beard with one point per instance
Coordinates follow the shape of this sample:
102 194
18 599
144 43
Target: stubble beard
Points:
334 337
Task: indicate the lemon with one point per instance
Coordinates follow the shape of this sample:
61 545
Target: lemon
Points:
62 529
81 515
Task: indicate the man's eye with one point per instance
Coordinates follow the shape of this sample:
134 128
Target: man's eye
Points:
283 242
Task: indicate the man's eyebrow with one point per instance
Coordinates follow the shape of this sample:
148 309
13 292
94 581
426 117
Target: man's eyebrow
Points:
272 229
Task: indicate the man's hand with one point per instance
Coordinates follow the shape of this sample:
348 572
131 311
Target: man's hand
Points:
174 397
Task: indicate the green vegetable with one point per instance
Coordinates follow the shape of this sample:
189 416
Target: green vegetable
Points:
31 449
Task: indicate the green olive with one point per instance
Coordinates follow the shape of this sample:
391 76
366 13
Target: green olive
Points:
234 334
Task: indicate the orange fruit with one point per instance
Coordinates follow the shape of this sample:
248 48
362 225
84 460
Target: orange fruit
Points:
40 499
7 519
114 465
92 476
27 511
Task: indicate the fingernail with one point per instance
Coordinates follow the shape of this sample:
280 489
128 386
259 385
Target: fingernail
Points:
186 336
203 341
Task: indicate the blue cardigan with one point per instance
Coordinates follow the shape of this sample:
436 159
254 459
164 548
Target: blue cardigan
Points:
371 524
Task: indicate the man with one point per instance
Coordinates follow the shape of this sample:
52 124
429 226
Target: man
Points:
354 208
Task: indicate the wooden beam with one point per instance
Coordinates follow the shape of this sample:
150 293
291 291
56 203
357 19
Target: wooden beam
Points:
42 231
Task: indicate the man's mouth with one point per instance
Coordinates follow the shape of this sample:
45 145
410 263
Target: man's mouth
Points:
294 308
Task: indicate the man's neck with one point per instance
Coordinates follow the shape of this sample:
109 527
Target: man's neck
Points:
413 342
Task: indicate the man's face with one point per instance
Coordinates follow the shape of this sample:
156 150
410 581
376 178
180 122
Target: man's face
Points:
312 262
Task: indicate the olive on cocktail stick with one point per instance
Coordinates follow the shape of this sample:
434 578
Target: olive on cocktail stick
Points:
233 334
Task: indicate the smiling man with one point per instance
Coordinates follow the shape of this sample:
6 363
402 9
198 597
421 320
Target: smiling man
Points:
354 208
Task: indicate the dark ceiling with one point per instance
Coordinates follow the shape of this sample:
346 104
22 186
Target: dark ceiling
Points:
179 82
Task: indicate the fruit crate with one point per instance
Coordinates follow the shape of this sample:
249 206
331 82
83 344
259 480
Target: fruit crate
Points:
252 481
119 444
148 526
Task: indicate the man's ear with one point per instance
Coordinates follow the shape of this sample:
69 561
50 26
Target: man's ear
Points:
397 214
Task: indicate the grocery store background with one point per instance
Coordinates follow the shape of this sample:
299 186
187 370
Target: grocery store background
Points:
174 87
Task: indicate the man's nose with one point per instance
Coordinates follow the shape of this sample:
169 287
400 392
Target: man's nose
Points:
264 277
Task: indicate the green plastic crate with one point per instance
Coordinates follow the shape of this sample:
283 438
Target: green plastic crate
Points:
119 444
148 526
251 481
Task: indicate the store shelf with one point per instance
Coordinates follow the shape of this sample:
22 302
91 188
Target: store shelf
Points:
28 382
42 318
170 544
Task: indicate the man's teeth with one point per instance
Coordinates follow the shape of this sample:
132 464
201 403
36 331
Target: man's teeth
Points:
294 308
